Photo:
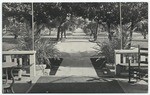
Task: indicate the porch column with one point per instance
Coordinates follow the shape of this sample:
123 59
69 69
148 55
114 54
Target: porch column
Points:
117 62
32 67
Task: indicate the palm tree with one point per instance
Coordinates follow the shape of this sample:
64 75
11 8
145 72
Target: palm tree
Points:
142 26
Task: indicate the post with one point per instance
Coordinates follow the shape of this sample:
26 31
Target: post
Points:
32 67
8 59
20 71
117 61
124 58
121 26
32 28
130 60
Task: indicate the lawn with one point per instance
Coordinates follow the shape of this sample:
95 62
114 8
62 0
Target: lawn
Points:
11 43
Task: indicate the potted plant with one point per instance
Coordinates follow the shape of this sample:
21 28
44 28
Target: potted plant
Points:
45 50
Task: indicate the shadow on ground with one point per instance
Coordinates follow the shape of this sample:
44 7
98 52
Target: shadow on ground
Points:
53 85
139 87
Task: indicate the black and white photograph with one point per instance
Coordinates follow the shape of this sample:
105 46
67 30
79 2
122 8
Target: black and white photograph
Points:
74 47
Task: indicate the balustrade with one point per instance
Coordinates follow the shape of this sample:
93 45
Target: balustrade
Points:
21 58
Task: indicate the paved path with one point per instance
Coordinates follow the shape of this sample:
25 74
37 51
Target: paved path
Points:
76 58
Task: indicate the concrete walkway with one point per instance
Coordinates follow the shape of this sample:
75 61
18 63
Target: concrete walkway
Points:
76 57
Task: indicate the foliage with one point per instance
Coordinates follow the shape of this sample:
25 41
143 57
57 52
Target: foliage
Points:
123 35
18 11
45 49
54 14
142 26
107 48
51 13
25 40
17 18
133 13
105 12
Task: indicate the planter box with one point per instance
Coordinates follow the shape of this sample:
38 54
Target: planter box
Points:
98 62
46 70
54 62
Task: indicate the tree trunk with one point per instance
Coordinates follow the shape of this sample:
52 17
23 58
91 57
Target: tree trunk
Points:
96 31
109 34
144 33
131 33
144 36
58 33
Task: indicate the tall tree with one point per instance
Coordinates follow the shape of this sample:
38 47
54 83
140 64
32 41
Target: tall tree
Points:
134 13
17 20
105 12
51 14
18 11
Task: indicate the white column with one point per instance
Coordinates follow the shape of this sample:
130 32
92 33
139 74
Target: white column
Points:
143 58
8 58
32 67
117 61
124 59
20 71
15 60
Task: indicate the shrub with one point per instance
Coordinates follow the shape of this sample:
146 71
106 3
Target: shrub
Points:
45 49
107 48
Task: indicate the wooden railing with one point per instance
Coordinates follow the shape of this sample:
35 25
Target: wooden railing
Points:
122 58
21 57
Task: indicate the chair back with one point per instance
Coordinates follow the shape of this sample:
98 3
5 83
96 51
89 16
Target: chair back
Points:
142 56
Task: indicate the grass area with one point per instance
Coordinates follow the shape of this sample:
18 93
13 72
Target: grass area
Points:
11 43
10 40
8 46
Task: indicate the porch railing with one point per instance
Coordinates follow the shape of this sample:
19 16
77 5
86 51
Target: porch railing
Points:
21 57
122 58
